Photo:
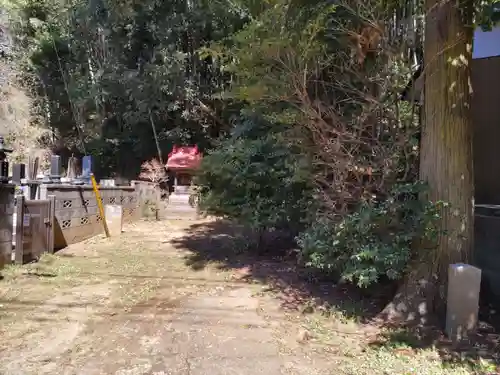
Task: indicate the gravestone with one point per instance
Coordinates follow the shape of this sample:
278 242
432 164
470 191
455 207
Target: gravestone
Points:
86 168
71 172
55 168
18 173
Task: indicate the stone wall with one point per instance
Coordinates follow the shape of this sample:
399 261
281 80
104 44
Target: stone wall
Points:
77 216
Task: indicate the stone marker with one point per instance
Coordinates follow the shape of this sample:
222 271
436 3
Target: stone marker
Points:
114 218
464 284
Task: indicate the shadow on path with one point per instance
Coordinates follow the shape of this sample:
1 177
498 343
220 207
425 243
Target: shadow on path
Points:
300 289
297 288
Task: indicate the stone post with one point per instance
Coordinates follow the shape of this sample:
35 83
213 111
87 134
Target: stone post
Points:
114 219
464 284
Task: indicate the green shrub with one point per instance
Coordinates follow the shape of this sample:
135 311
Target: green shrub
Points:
374 241
258 179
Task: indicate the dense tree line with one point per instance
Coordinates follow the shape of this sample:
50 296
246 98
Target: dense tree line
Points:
104 73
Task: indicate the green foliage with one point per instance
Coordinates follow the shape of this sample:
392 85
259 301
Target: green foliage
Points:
105 71
374 241
488 14
258 180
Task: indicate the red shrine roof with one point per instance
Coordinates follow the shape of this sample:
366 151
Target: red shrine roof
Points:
184 157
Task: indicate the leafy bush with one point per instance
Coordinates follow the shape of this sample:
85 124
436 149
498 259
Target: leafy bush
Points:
154 171
257 179
374 241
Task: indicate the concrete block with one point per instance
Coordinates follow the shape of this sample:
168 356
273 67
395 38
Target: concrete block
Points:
464 284
114 219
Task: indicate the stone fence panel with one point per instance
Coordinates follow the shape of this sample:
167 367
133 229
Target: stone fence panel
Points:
77 216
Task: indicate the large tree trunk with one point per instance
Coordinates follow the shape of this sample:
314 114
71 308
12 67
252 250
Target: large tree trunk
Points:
446 155
445 159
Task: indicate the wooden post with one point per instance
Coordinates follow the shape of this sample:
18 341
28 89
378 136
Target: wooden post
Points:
19 251
51 223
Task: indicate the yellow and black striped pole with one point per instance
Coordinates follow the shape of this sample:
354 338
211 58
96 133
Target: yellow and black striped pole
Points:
99 204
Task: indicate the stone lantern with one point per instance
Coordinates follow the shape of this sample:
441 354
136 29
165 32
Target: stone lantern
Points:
4 164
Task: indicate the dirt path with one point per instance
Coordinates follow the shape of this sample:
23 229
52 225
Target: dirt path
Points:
131 306
184 298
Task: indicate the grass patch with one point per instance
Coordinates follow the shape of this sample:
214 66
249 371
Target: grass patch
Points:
404 361
361 349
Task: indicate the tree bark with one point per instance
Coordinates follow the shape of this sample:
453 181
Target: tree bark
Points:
445 159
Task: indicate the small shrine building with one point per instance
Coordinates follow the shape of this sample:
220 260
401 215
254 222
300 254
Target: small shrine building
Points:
182 163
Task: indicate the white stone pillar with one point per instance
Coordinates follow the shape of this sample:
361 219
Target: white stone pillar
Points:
464 284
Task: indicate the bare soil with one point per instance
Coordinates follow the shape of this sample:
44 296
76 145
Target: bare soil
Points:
185 298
